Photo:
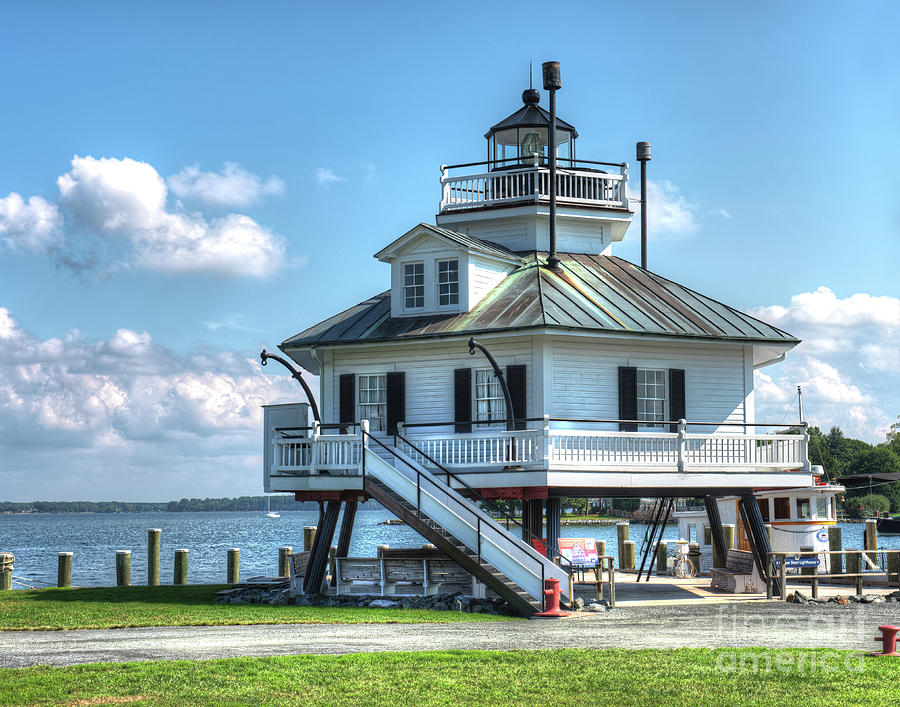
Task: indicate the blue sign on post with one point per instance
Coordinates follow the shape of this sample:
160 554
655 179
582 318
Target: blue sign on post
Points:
797 561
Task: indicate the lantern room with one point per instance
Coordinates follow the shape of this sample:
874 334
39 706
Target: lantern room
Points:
515 141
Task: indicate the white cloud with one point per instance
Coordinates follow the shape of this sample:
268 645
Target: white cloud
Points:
32 226
669 212
723 213
170 426
848 364
233 186
325 175
126 199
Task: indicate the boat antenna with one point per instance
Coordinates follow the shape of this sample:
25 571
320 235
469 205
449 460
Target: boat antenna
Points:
800 403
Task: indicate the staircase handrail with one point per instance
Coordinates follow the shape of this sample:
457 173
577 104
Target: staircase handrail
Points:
481 498
367 436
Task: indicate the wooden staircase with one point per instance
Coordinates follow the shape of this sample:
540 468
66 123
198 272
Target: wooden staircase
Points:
518 598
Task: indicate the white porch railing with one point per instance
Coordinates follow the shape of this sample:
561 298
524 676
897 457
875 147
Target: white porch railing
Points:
311 455
548 448
532 184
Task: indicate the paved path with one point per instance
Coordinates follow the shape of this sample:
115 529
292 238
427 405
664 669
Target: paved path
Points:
771 624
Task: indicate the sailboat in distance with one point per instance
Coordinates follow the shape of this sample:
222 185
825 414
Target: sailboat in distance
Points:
269 512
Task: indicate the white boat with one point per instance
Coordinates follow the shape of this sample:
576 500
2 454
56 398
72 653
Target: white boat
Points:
270 513
799 520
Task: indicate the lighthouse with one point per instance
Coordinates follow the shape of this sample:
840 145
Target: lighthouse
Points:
514 355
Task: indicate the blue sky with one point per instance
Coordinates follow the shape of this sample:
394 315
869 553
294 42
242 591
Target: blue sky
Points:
286 143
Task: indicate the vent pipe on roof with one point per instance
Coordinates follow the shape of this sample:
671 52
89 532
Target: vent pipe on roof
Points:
643 156
552 83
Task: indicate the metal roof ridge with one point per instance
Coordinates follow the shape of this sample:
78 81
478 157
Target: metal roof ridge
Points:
701 295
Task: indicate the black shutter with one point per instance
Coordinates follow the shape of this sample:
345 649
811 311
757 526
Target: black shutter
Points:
628 398
462 399
348 397
515 380
676 397
396 401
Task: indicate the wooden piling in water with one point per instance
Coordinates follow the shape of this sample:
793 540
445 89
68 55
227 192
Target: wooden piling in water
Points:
836 562
6 570
233 565
622 538
662 557
627 559
284 561
123 568
728 529
309 536
893 568
870 537
181 567
854 566
153 543
64 569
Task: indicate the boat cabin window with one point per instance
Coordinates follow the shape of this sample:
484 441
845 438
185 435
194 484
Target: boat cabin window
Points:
707 535
763 504
803 508
821 508
782 509
692 533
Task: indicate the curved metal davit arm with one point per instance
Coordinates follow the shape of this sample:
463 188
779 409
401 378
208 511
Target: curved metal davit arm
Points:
510 420
295 372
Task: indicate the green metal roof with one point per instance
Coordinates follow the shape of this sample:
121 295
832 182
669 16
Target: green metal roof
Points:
590 292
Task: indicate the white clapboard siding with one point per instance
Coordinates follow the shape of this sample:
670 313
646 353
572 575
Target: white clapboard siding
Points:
509 233
586 383
429 372
484 276
580 237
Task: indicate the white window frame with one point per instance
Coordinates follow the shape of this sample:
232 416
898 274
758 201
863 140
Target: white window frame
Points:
496 404
420 286
438 284
373 411
652 423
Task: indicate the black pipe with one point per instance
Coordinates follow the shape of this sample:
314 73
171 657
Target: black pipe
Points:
552 83
264 358
715 526
759 538
643 156
661 532
647 547
510 419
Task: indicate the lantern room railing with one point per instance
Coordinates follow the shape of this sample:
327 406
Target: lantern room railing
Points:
579 184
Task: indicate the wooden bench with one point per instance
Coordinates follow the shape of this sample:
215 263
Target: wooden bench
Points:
737 575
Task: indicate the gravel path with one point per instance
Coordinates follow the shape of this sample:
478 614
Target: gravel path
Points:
774 625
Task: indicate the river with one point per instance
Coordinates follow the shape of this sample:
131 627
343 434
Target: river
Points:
35 539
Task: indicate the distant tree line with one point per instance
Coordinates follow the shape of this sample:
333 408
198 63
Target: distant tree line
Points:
281 502
844 456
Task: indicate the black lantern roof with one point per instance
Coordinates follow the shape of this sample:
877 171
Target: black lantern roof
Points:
531 115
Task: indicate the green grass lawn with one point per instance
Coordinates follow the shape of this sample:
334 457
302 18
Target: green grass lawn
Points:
190 605
561 677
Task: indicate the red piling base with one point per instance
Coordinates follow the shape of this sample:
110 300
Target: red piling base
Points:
551 601
888 640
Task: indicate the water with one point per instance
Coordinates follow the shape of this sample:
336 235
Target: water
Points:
35 539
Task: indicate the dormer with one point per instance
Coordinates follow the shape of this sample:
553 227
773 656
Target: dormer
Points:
437 271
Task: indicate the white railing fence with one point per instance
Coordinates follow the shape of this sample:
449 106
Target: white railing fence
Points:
550 448
531 184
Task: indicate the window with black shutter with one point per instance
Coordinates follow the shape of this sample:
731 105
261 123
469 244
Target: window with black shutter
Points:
515 379
676 396
462 399
347 397
396 400
628 398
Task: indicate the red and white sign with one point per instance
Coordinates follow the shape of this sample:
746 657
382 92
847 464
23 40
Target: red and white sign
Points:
579 551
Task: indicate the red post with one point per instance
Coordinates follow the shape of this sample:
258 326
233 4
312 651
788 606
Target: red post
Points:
551 600
888 640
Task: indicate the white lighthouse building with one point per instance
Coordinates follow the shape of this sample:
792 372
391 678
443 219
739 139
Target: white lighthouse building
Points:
615 381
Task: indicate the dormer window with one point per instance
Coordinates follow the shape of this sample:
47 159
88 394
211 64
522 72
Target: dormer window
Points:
414 285
448 283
